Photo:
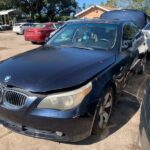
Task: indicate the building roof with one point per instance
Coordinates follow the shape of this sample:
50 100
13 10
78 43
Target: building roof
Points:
93 6
6 12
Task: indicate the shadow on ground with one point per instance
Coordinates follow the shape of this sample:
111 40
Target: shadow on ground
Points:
124 110
128 103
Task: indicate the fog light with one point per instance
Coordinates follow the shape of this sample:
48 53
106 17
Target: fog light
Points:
59 133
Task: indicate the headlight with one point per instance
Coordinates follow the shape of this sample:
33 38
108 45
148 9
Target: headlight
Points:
67 100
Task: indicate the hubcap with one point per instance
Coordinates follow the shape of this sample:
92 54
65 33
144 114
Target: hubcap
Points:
105 110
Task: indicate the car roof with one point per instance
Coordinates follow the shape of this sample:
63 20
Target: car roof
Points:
105 21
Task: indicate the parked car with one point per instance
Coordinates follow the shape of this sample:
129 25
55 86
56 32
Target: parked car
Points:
5 27
1 28
65 90
40 32
61 25
19 28
144 142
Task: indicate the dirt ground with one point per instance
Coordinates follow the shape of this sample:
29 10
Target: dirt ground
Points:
121 133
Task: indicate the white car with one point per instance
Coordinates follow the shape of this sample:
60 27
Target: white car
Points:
19 28
146 30
1 28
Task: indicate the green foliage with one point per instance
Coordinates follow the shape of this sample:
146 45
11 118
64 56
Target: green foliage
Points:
9 4
32 7
111 3
148 11
39 9
102 4
143 5
59 8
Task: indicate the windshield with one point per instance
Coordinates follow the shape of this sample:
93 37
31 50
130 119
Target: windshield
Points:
39 25
58 25
17 24
86 35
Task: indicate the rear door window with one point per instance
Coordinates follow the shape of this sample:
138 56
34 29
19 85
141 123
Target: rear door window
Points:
27 25
128 32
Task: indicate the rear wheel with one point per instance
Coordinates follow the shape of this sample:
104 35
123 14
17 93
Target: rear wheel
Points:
104 111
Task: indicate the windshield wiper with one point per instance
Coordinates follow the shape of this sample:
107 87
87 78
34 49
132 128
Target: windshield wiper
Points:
80 47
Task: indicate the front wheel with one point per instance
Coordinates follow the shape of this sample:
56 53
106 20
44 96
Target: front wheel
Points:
104 111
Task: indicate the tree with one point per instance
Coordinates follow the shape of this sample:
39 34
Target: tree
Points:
84 6
9 4
143 5
32 7
27 6
48 8
57 8
102 4
111 3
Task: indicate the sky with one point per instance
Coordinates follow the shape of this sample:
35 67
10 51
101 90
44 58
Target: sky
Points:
90 2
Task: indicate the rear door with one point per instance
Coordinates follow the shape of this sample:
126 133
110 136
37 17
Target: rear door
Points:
128 56
132 40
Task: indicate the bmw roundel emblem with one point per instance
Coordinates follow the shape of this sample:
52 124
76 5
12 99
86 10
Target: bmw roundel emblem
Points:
7 79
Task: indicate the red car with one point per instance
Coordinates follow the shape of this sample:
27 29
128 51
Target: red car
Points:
40 32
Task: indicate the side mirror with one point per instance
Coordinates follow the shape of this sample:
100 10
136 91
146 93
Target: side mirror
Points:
126 44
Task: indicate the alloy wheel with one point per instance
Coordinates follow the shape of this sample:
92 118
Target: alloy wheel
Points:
105 110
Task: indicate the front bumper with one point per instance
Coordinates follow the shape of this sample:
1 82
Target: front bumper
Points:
75 125
73 129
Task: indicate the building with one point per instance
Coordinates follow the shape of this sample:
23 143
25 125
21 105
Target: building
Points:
93 11
9 16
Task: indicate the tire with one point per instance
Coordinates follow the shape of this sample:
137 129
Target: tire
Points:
104 112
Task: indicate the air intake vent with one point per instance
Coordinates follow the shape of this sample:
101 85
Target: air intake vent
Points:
15 98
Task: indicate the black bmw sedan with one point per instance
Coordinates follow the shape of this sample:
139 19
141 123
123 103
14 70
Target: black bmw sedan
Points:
65 90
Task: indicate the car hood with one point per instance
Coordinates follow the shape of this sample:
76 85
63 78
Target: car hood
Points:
47 69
